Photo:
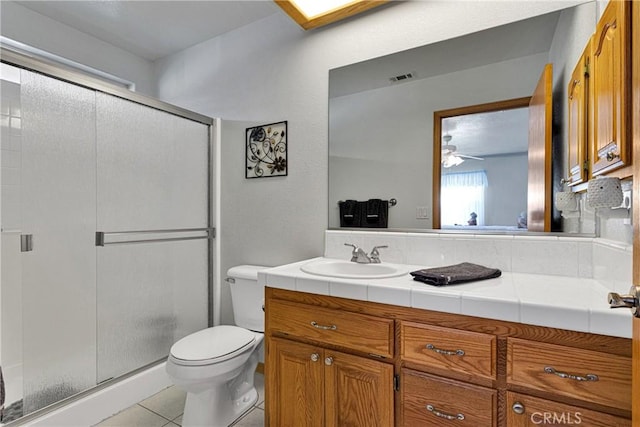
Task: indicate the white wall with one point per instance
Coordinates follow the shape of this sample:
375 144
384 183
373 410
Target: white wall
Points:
23 25
272 70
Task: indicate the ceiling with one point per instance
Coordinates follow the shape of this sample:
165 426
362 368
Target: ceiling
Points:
489 134
154 29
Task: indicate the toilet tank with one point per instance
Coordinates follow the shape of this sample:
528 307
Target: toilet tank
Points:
247 297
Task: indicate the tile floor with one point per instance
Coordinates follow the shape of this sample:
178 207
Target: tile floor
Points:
165 409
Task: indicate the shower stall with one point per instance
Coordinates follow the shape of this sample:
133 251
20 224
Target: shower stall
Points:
106 239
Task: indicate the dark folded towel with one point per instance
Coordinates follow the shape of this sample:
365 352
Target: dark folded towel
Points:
376 212
349 213
452 274
373 210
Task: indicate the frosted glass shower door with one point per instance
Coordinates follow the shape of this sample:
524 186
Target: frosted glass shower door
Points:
153 198
59 211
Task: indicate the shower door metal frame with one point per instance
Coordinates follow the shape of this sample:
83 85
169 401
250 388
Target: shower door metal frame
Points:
79 78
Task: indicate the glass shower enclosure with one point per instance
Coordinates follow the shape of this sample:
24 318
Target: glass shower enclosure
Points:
106 242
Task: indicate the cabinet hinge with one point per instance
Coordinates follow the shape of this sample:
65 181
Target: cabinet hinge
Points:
396 382
586 70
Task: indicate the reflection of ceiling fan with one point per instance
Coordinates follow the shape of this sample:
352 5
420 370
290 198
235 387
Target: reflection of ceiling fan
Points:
450 156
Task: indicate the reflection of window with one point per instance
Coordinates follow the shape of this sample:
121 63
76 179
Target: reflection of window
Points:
461 194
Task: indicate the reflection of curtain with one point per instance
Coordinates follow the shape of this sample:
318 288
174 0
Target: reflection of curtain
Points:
460 195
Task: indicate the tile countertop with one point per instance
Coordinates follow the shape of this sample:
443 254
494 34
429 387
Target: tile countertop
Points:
572 303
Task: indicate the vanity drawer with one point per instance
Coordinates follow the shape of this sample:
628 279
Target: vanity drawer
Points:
528 411
433 401
449 349
359 332
569 372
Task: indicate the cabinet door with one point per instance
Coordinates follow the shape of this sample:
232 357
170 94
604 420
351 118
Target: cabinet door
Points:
577 120
609 90
358 391
528 411
294 384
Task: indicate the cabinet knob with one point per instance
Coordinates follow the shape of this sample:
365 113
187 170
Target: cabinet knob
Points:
315 357
612 155
328 361
518 408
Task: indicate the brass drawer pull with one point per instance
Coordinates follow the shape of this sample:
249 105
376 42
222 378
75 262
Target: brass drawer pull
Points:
444 415
445 352
324 327
588 377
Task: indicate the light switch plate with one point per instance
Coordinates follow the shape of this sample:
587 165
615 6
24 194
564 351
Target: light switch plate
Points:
422 212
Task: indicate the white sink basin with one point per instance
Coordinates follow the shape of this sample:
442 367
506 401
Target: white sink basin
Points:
352 270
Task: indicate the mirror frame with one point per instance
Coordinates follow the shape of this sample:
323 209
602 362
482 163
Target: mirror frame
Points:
438 116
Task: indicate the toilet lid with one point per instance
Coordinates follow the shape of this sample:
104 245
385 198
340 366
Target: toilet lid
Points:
212 344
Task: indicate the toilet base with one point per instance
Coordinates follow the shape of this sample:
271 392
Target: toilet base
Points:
225 402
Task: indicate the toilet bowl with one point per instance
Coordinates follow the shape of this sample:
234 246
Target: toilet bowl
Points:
216 366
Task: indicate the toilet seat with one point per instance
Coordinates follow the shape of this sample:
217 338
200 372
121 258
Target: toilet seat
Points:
212 345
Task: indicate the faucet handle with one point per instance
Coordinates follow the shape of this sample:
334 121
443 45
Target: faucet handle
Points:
375 255
354 252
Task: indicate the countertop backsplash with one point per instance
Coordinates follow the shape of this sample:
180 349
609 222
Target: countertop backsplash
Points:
609 262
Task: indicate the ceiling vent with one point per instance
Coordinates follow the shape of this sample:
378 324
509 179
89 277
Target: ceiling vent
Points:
402 77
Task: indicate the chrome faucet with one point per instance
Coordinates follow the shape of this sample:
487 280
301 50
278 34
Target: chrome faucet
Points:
360 256
374 256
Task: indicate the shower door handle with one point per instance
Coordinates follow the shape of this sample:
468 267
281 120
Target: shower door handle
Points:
26 242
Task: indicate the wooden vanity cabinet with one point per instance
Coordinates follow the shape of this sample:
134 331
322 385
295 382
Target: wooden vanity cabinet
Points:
338 362
610 90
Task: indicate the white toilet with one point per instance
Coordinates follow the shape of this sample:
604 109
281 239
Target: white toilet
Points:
215 366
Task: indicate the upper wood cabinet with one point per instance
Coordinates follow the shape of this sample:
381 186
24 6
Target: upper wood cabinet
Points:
578 96
610 100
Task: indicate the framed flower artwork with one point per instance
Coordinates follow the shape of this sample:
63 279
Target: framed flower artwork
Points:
266 150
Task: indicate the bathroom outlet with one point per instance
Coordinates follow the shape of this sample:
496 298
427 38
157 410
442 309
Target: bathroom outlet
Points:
422 212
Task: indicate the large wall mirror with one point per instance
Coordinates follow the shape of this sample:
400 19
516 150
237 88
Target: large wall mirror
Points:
381 114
